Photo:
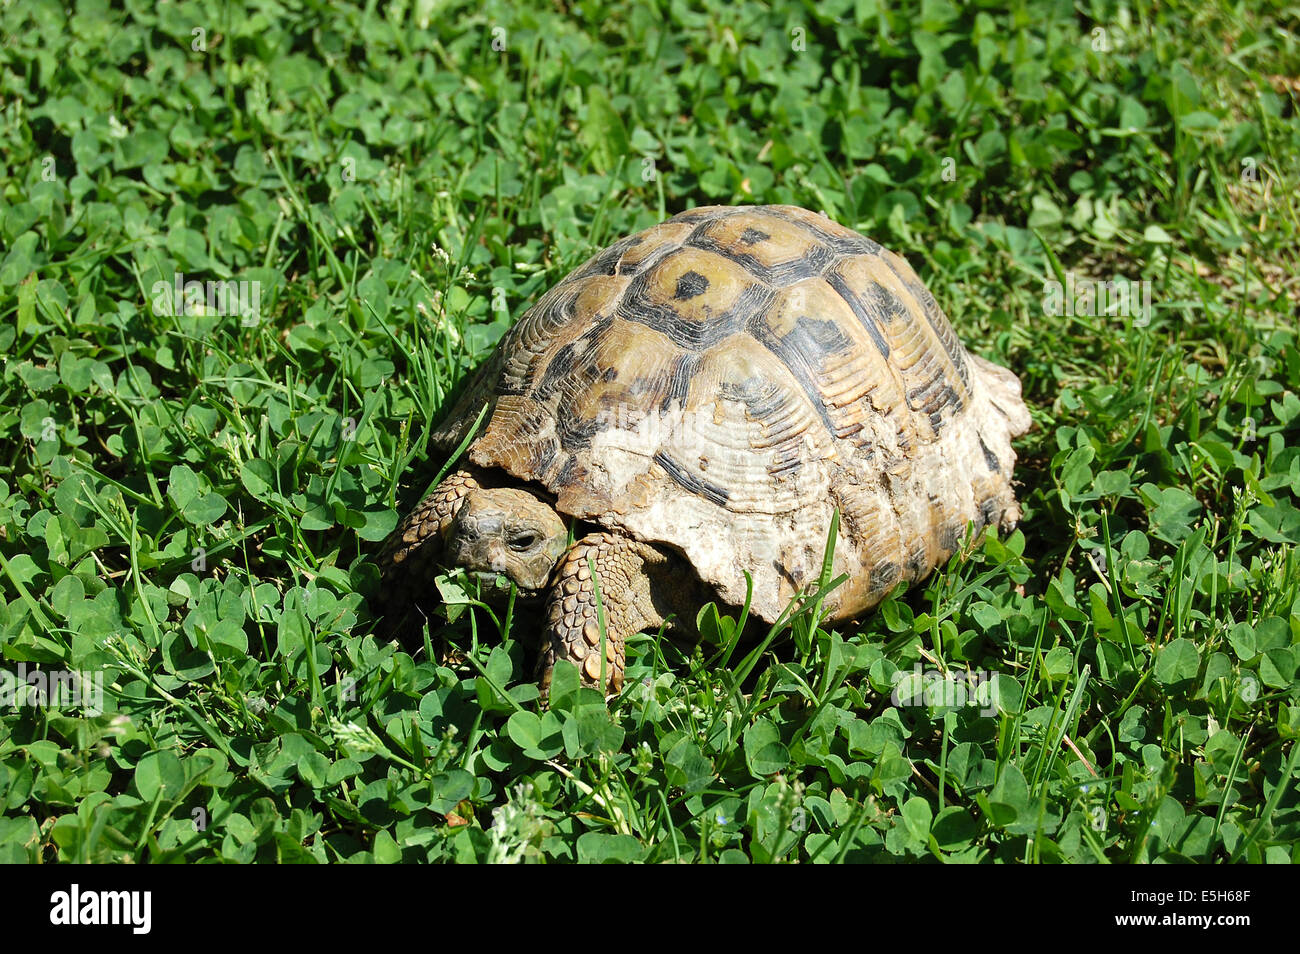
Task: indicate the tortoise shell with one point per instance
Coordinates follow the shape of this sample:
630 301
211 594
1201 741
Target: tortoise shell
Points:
725 381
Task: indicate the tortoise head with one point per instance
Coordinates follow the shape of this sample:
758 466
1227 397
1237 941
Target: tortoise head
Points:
507 532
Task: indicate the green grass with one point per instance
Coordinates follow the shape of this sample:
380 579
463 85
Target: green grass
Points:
189 502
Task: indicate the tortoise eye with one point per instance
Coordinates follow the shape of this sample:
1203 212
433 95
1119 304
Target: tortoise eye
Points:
525 541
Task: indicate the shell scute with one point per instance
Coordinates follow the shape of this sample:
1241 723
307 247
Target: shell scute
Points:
694 297
774 250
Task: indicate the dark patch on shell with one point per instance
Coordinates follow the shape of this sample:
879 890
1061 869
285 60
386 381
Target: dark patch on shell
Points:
861 310
679 381
990 458
884 576
933 396
558 371
952 537
575 433
990 511
567 473
605 262
690 284
917 563
690 483
884 303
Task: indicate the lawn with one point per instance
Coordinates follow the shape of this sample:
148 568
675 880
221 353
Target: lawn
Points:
249 250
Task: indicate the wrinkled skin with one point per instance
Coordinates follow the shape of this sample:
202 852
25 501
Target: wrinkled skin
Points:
506 532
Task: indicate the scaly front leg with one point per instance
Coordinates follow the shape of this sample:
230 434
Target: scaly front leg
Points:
623 568
408 560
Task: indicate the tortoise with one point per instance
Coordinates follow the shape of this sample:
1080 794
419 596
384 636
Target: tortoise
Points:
699 401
